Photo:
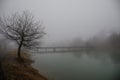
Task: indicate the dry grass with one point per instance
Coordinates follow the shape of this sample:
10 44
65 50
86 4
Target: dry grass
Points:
15 70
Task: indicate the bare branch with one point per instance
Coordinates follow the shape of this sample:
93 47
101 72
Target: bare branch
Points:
22 29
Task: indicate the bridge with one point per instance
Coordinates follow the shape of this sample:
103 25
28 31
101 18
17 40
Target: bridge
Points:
58 49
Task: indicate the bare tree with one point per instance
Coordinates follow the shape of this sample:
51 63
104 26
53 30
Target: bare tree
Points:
22 29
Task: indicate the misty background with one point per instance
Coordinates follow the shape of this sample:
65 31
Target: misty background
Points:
66 20
91 26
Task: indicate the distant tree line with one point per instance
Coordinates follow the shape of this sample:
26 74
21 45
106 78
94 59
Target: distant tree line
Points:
109 42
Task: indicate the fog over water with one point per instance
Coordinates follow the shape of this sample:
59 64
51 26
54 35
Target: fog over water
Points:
65 20
87 27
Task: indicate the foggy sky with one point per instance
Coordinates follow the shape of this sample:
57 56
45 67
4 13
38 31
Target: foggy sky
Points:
68 19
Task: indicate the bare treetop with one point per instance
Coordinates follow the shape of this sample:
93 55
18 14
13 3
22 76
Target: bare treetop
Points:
23 29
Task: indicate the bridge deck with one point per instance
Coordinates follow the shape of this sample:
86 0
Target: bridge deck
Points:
58 49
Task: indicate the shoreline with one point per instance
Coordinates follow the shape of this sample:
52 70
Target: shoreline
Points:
16 70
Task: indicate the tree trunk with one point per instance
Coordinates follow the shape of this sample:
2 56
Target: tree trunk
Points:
19 51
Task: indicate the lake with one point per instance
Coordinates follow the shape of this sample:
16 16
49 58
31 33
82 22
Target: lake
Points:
85 65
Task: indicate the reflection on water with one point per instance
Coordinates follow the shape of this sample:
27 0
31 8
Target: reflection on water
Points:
77 66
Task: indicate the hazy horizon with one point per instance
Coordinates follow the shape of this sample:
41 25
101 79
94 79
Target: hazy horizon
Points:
65 20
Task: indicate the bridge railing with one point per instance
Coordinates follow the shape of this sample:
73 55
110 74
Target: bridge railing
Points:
58 49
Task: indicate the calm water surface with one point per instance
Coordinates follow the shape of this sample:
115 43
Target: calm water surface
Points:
78 66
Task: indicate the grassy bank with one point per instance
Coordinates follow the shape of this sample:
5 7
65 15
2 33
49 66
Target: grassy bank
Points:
15 69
